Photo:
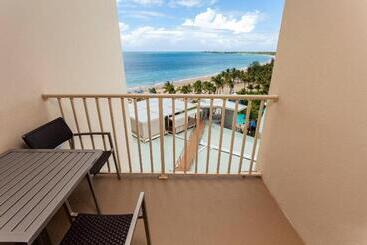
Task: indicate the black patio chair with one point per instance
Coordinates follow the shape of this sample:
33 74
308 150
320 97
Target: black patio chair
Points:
57 132
114 229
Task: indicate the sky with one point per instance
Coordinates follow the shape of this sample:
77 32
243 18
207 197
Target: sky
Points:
199 25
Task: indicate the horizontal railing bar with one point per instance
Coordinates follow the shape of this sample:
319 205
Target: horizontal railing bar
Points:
179 174
144 96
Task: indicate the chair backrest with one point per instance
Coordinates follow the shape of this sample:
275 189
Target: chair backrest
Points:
49 135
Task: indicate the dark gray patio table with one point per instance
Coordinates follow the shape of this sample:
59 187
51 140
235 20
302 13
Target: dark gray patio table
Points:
34 184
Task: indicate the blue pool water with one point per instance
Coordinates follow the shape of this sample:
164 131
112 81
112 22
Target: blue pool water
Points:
149 68
241 119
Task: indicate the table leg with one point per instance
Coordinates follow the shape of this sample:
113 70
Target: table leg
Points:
43 238
91 186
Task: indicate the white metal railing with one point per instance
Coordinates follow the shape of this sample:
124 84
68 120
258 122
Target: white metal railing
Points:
112 113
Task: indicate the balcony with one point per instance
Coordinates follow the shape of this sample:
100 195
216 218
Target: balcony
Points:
190 210
190 154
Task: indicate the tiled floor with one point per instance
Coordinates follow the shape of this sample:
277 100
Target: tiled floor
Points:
190 210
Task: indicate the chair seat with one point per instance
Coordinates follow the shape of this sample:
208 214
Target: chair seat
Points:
100 162
98 229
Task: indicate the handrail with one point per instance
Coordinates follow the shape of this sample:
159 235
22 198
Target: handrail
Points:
178 96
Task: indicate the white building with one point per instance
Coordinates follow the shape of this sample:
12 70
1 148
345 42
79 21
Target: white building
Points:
142 114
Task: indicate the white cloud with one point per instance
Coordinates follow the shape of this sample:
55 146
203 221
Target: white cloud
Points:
211 20
142 2
142 14
179 38
148 2
123 27
206 31
189 3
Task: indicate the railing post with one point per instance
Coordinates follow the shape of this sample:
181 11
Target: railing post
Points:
198 121
88 122
259 117
126 133
244 136
138 134
234 125
185 140
174 135
223 113
102 129
161 132
150 136
209 135
114 136
76 121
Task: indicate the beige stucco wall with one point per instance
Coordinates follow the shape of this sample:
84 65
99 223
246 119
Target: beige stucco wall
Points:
314 148
54 46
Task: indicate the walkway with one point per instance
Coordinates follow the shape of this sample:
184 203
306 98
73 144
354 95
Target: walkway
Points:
188 155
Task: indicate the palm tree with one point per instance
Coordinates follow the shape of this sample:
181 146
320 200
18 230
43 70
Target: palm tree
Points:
152 90
209 87
169 88
198 87
218 81
228 80
230 84
186 89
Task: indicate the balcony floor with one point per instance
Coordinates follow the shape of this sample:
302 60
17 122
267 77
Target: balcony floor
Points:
190 210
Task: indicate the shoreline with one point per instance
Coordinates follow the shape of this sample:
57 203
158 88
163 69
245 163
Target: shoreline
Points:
159 86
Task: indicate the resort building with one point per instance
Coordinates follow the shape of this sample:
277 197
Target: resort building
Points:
230 107
298 179
142 123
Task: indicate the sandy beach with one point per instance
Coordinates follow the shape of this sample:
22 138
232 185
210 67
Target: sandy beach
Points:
178 83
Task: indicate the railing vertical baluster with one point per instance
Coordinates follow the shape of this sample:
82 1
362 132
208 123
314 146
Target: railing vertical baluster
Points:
102 129
62 115
209 135
197 135
247 122
114 135
223 113
138 134
150 136
161 140
126 133
234 126
76 121
174 134
88 122
60 108
259 117
185 138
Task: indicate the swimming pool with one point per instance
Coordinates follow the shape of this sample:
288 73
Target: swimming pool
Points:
241 119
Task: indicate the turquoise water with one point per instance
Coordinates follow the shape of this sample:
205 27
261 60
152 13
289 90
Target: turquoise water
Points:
241 119
149 68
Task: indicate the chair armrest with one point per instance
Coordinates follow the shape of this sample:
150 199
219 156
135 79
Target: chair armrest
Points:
138 207
97 133
91 133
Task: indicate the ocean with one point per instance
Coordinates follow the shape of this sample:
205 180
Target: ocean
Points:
150 68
